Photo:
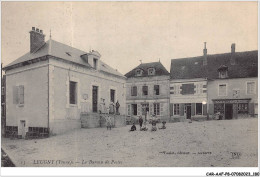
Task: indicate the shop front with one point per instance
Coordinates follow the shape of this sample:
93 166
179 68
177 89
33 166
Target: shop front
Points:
233 108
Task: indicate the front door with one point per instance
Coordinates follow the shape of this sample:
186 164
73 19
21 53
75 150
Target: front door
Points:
22 128
112 95
228 111
94 98
188 112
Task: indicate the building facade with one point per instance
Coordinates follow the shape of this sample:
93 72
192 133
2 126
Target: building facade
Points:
147 90
205 85
3 105
50 87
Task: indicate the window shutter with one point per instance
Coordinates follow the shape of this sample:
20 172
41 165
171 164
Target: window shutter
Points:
15 95
204 109
192 109
128 109
161 108
251 109
196 88
171 109
151 109
211 109
21 94
182 109
138 109
235 110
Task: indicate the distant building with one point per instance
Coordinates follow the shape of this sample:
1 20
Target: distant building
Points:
147 90
50 87
204 85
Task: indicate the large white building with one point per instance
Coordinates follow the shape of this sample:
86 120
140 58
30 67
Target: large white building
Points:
49 88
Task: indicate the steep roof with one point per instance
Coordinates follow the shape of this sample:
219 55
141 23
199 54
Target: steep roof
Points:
159 70
189 68
65 52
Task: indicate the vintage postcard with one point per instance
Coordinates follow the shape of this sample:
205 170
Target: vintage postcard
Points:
129 84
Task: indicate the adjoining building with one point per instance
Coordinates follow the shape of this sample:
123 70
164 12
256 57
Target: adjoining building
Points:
3 105
147 90
49 88
204 85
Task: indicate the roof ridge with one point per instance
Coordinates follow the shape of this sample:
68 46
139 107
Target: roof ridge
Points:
213 55
67 45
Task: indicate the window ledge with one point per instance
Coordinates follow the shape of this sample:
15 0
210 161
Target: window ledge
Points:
73 105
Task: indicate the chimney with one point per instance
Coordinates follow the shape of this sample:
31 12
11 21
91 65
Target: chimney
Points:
205 54
233 57
37 39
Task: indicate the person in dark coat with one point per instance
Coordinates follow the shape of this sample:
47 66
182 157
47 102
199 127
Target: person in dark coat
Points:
140 121
117 107
133 128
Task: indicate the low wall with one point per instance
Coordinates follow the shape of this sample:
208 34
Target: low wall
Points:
63 126
94 120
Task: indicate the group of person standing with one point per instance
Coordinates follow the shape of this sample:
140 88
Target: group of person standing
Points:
108 111
112 108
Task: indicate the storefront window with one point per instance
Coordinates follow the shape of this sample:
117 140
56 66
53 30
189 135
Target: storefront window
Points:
219 107
198 108
243 108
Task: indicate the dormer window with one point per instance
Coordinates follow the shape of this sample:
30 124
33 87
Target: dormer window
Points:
95 63
139 72
223 72
151 71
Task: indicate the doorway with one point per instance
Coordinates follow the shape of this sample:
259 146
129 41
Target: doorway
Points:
145 108
94 98
188 111
22 128
112 95
228 111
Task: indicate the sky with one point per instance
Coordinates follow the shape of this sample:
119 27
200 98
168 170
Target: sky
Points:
126 32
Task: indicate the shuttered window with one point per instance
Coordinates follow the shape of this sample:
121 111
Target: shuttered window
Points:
18 94
15 95
250 87
145 90
222 90
21 94
134 91
73 92
157 89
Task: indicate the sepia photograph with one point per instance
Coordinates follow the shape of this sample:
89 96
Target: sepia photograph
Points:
129 84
